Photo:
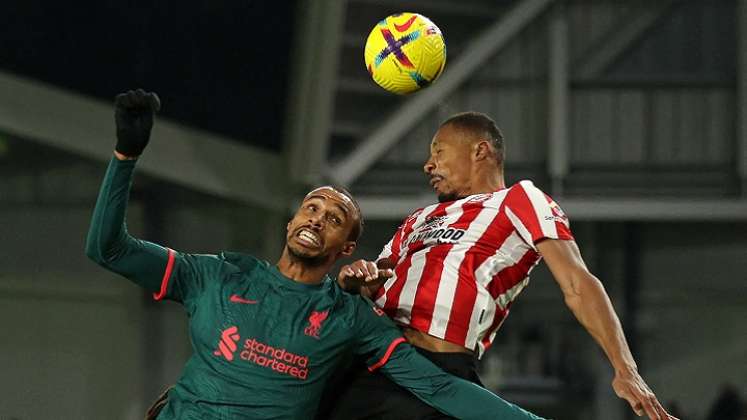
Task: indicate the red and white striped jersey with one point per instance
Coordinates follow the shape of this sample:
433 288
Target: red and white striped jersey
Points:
460 264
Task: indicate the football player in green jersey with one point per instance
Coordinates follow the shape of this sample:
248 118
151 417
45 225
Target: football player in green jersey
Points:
266 338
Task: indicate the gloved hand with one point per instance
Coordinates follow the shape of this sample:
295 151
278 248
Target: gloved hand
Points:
133 115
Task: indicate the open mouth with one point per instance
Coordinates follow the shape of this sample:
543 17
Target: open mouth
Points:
309 238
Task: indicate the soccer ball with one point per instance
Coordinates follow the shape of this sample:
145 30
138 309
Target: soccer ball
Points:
405 52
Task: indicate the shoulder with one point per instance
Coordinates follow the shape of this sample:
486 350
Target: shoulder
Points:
236 262
525 191
366 309
412 216
524 186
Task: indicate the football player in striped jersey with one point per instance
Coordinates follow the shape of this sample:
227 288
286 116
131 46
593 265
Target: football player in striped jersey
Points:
460 263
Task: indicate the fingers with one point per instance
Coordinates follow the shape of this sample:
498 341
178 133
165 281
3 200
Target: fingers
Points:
371 271
155 101
632 388
660 411
637 408
649 406
653 408
122 100
363 274
138 100
356 274
345 271
650 410
364 270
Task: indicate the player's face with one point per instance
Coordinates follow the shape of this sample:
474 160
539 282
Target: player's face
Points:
320 230
450 163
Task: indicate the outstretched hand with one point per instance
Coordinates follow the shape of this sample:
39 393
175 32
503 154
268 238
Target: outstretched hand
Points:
363 277
133 115
631 387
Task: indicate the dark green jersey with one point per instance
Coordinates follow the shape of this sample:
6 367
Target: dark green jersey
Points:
265 345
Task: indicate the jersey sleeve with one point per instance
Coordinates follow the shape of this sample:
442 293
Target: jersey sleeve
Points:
189 276
535 215
447 393
376 335
163 271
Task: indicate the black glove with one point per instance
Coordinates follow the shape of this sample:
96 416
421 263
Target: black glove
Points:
133 115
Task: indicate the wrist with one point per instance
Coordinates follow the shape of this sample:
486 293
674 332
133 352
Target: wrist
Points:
121 156
626 370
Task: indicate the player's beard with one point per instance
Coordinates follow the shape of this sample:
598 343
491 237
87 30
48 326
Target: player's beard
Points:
448 196
307 260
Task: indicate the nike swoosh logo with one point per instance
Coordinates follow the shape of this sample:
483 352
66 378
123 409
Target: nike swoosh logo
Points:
405 26
239 299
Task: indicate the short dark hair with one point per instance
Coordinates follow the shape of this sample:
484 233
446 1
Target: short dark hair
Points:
357 230
480 125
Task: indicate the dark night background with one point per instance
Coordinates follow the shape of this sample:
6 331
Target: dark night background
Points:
218 65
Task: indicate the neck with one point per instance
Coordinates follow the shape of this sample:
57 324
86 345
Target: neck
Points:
300 271
488 180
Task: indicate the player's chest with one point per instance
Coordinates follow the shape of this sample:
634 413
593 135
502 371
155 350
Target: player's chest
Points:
470 224
254 322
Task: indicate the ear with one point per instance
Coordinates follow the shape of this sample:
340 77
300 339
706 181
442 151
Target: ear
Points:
348 248
481 151
288 227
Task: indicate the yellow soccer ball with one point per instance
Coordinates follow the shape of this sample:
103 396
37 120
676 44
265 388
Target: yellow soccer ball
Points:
405 52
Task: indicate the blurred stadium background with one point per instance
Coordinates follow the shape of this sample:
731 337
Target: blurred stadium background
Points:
632 114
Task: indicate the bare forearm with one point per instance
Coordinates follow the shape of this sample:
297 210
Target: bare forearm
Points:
592 307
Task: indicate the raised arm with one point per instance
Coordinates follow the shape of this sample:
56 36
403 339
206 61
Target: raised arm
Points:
108 242
587 299
447 393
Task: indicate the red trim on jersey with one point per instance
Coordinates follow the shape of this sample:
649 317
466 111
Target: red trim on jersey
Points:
166 276
385 357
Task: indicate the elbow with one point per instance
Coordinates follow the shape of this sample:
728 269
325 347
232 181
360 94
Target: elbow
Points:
93 252
97 250
578 288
